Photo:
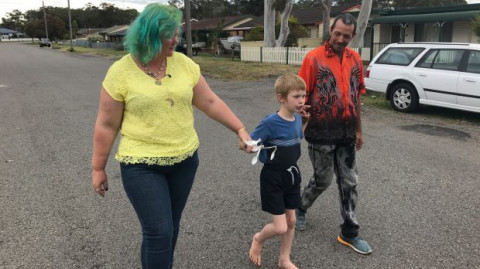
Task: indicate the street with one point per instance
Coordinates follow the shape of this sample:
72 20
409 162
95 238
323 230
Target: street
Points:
419 188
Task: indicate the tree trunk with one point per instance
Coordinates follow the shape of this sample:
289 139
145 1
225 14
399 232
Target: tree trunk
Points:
362 22
284 30
326 5
269 23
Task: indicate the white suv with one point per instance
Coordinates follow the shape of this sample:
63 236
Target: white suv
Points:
438 74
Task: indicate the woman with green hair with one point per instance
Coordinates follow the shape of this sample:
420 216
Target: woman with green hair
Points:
148 96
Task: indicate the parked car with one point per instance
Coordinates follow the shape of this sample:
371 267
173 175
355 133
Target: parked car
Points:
229 44
45 42
196 47
437 74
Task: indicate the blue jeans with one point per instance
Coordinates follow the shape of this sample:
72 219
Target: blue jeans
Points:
158 195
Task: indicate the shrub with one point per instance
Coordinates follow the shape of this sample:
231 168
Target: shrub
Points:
95 38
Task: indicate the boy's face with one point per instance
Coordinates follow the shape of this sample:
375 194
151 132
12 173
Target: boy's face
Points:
294 101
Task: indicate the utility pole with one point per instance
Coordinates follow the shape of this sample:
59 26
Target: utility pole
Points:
189 28
45 19
70 25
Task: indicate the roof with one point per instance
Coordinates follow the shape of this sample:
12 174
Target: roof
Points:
4 31
122 31
89 31
429 14
113 28
210 24
314 15
432 17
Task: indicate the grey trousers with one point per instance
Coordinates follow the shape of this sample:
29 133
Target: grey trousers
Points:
327 161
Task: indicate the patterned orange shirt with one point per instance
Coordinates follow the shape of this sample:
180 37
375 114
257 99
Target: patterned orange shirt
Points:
333 90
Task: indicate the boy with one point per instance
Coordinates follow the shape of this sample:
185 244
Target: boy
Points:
280 178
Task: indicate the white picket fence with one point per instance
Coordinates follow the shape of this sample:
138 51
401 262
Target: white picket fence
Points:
281 55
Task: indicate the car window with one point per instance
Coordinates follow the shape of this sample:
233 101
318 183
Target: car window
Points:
448 59
427 59
473 65
399 56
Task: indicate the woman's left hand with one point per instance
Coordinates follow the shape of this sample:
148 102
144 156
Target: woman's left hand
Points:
243 137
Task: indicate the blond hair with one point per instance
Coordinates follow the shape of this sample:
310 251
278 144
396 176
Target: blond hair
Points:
287 83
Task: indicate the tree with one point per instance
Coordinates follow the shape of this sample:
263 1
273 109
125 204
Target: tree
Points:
251 7
307 4
269 23
326 6
14 20
56 28
476 26
296 31
255 34
362 22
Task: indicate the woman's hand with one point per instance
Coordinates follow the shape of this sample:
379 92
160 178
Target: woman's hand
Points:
100 182
243 137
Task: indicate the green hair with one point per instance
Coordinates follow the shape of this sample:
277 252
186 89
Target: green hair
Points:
144 36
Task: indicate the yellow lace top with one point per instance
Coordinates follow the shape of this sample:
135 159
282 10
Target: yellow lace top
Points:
157 126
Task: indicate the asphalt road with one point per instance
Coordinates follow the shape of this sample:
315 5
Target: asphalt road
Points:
419 195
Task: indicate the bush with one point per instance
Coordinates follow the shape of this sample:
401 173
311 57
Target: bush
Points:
255 34
476 26
95 38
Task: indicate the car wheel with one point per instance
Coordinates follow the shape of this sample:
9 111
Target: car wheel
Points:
404 97
194 52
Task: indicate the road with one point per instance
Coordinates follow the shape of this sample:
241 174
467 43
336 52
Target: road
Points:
419 185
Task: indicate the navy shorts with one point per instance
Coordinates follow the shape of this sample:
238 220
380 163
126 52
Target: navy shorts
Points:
280 189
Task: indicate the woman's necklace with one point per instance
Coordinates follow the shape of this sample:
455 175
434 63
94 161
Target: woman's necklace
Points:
157 80
154 75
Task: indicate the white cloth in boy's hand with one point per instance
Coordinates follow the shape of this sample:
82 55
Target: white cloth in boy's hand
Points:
254 143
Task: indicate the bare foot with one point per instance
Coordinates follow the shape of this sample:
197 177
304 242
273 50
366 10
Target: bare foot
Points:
286 265
255 252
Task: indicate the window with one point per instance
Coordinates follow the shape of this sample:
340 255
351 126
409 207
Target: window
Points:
399 56
473 65
448 59
427 59
433 32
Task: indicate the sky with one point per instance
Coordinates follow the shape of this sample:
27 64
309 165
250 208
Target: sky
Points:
7 6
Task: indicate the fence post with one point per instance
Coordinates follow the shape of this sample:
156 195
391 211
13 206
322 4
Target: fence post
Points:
261 54
287 56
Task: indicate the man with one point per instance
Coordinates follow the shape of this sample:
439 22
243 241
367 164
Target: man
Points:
334 77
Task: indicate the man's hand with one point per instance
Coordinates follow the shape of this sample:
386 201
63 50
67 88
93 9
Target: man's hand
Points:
359 141
305 114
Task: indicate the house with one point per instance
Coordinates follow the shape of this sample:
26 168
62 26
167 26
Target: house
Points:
202 29
429 24
106 32
312 18
83 33
117 34
6 33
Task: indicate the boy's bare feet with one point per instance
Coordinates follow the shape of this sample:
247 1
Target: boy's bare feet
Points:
255 252
286 265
